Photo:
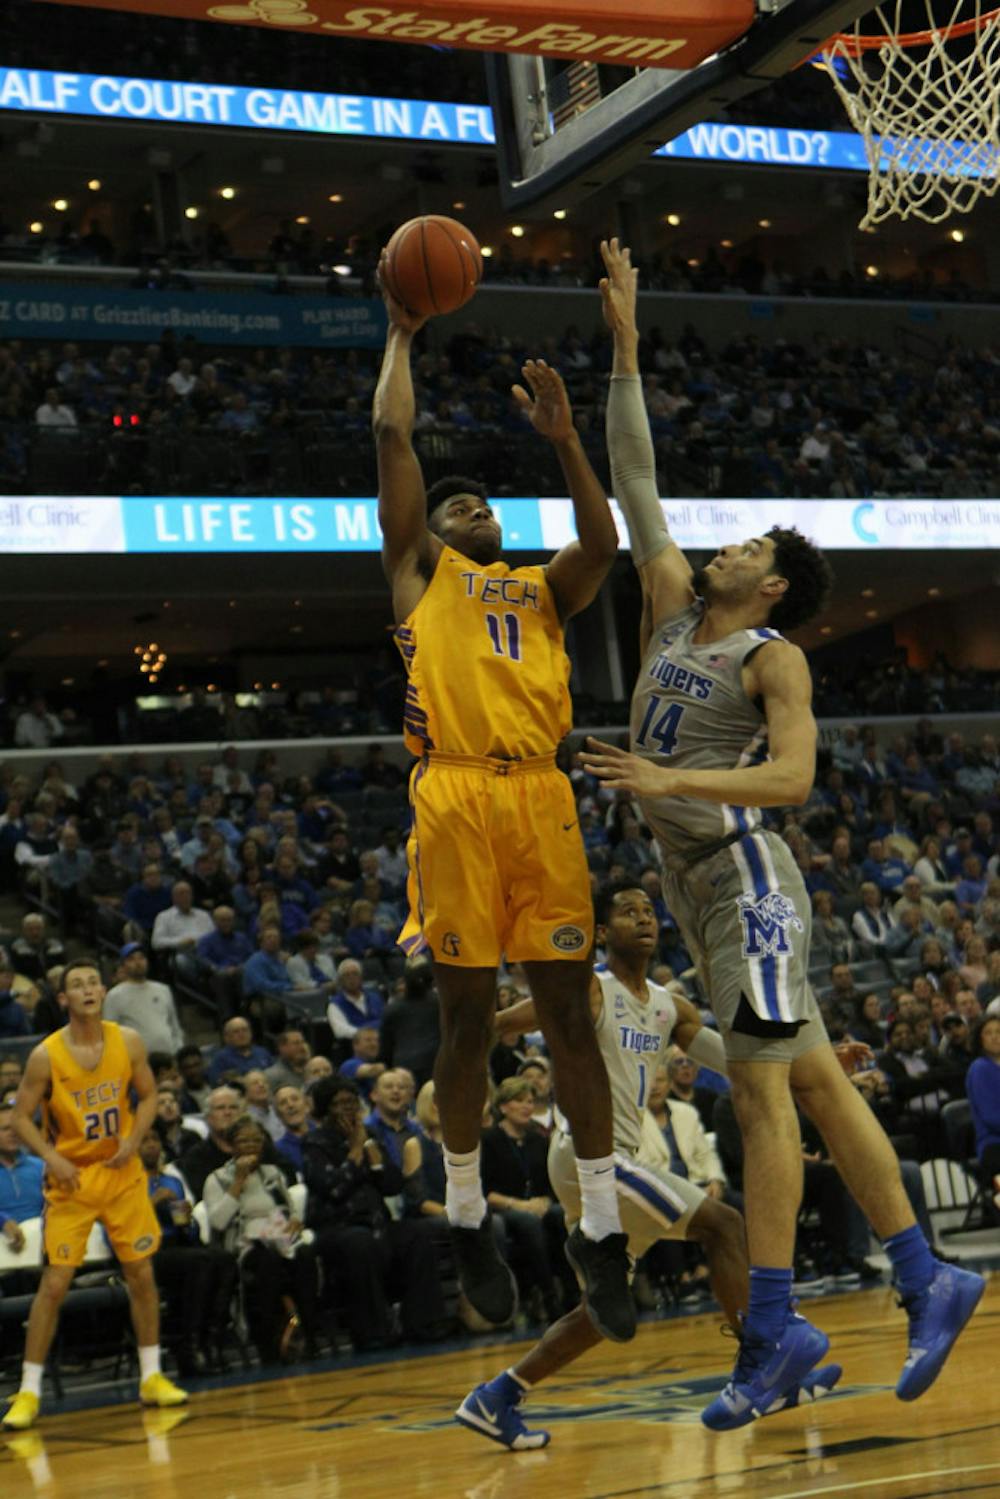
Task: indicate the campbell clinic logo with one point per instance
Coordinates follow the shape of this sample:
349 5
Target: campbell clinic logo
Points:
863 514
50 524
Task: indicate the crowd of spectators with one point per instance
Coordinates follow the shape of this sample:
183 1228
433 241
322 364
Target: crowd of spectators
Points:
271 904
815 416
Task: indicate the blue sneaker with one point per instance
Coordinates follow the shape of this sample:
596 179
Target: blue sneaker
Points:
492 1410
812 1387
937 1316
765 1373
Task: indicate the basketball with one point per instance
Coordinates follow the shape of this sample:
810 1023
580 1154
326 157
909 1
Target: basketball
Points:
433 265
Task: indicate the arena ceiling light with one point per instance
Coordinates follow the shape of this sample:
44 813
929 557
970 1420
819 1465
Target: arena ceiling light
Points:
227 192
517 230
763 223
191 212
36 226
94 184
60 204
673 219
559 213
958 235
339 198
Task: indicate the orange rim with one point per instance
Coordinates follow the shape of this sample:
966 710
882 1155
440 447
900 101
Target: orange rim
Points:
854 44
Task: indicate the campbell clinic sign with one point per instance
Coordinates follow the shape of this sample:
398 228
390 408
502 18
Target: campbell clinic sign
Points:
41 524
646 33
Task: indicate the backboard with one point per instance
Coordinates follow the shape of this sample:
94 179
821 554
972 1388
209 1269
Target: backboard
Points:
567 127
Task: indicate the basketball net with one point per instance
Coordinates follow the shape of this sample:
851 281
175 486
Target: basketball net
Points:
927 106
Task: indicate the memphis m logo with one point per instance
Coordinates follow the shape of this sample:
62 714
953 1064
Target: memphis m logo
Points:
766 922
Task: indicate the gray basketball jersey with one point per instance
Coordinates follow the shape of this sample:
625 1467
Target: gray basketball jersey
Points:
689 711
633 1038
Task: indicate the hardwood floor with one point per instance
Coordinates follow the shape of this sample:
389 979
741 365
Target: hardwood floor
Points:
624 1422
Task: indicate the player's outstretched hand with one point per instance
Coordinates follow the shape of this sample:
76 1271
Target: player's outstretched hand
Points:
60 1170
618 288
399 316
126 1150
624 771
547 408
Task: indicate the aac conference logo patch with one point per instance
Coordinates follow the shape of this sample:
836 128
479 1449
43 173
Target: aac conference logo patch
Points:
568 939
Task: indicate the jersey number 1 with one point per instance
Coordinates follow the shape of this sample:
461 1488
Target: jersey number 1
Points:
661 730
505 635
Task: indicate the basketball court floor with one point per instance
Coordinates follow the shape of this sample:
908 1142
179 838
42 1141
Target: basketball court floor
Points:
624 1422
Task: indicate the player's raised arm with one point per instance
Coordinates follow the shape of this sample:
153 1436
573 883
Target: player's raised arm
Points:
665 571
577 571
409 550
32 1090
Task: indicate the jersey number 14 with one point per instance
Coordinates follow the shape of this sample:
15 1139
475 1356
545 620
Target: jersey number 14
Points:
659 730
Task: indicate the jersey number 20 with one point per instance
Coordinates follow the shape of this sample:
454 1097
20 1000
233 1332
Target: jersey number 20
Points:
662 730
102 1126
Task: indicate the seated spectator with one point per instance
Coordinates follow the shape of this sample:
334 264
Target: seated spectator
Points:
182 924
340 868
884 869
143 1003
930 870
424 1180
265 977
195 1084
225 1106
21 1178
374 1258
971 888
197 1279
982 1086
389 1123
831 939
673 1136
15 1019
11 1073
921 1083
145 900
362 938
632 850
411 1025
238 1054
973 971
914 896
34 952
683 1085
869 923
250 1212
955 1045
293 1108
538 1071
391 857
291 887
315 1068
257 1102
293 1059
353 1003
905 936
364 1067
517 1187
34 849
223 953
37 727
867 1024
68 875
169 1125
308 968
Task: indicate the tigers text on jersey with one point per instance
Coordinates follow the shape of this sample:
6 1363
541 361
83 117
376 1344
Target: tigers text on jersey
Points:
690 712
87 1109
486 661
633 1038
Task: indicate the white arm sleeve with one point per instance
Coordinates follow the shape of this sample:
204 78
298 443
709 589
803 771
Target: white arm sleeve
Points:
633 468
708 1051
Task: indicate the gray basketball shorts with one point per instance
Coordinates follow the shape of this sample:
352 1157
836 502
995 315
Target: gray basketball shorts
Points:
745 916
654 1204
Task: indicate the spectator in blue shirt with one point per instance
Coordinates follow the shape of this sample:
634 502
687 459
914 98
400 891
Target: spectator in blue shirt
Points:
292 1107
21 1176
266 972
388 1121
363 939
147 898
223 952
957 852
14 1019
292 889
68 871
364 1067
982 1085
971 888
238 1052
354 1003
882 869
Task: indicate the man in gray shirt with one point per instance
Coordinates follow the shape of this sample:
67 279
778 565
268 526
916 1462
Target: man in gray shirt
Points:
290 1068
148 1007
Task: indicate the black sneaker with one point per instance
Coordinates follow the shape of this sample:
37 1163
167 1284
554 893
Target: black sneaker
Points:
485 1279
603 1266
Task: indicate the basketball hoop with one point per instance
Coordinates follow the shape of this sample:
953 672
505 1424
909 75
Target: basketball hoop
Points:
927 106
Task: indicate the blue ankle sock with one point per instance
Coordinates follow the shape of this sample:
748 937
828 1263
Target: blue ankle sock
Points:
508 1387
911 1259
770 1299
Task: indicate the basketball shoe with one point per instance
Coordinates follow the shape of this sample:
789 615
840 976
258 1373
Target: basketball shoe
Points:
765 1373
492 1411
603 1266
485 1279
157 1389
937 1316
22 1411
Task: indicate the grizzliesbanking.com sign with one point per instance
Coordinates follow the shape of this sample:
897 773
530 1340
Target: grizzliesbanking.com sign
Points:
646 33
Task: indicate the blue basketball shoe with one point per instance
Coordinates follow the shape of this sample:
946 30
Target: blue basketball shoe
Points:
765 1373
812 1387
492 1411
937 1317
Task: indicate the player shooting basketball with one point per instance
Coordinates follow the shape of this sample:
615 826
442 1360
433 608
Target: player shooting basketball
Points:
722 726
497 865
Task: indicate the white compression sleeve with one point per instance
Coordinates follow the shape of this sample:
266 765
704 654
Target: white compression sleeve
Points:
633 468
708 1051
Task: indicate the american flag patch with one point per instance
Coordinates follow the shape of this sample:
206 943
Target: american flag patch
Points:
717 660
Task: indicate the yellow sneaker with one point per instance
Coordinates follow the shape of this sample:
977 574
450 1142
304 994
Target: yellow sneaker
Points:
157 1389
22 1411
